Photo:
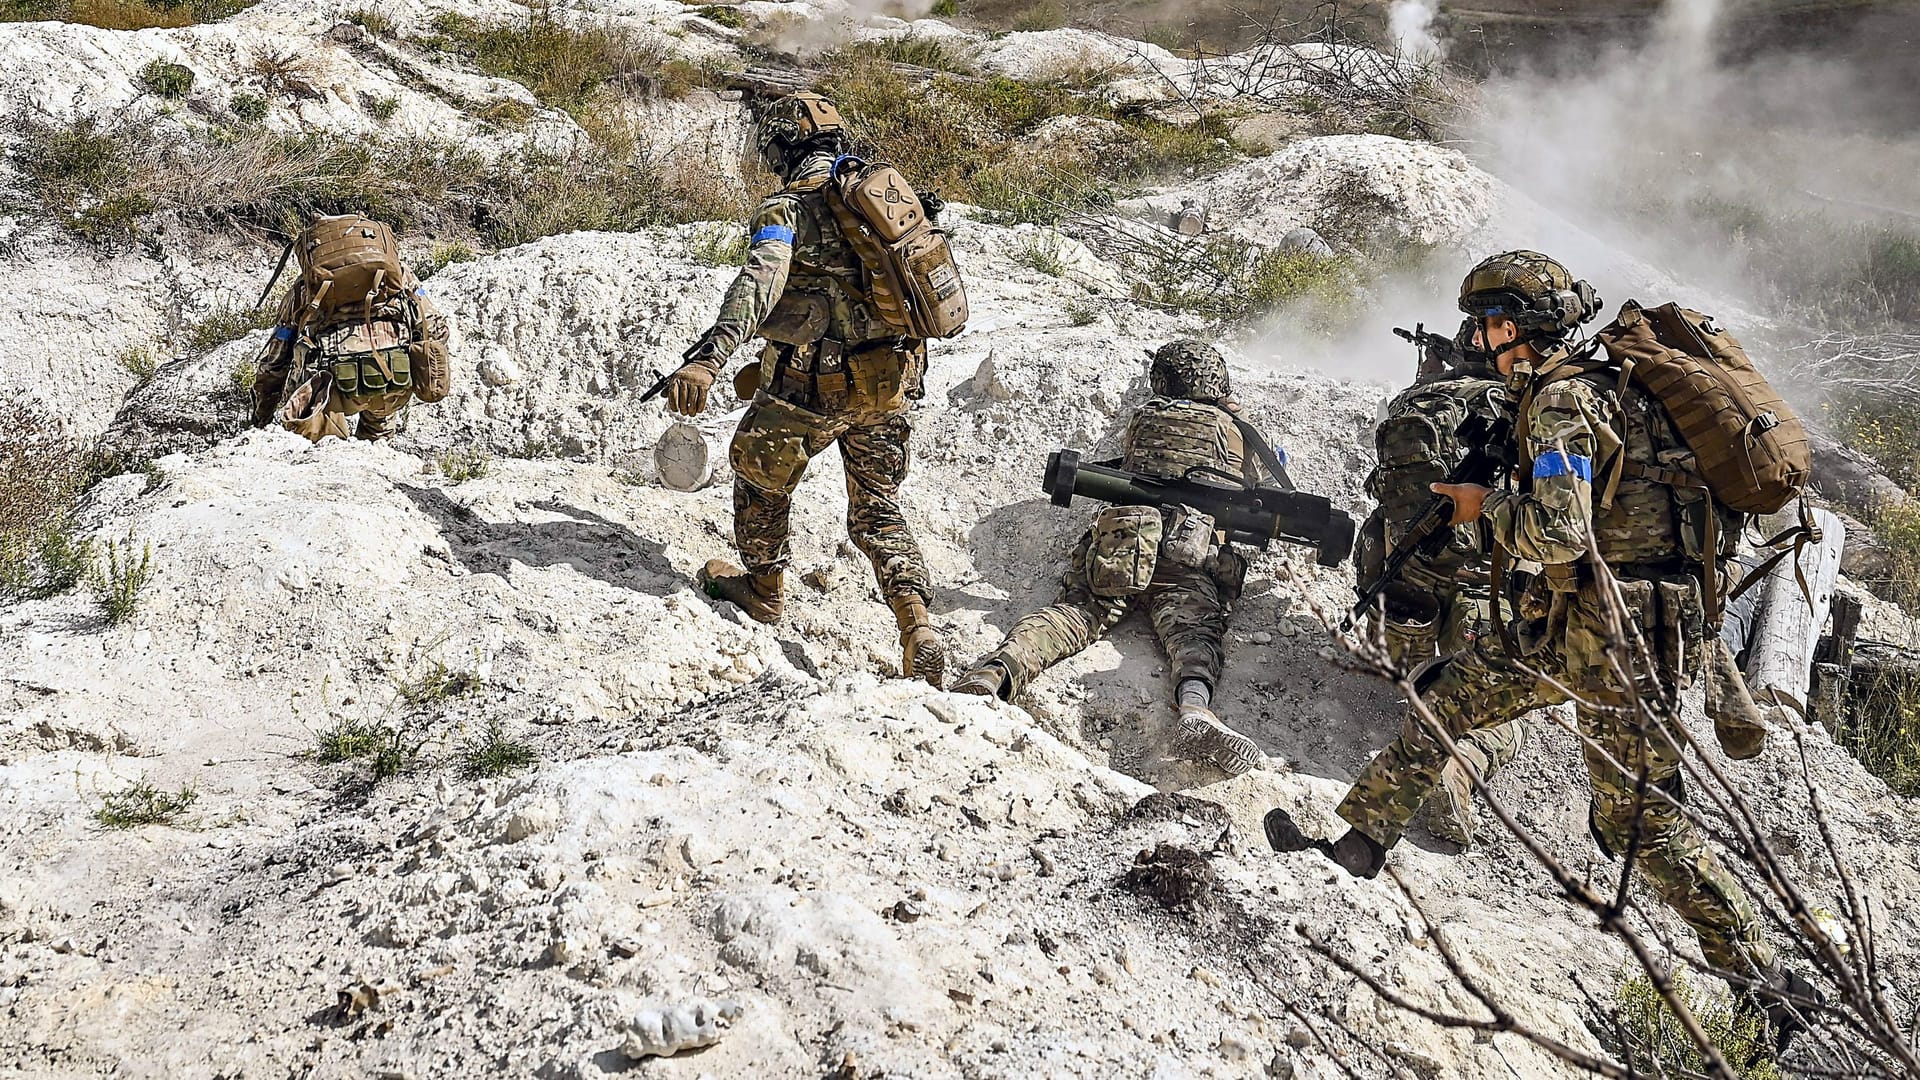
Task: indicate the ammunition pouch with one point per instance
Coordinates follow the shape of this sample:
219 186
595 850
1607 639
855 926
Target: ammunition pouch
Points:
1124 551
1186 537
828 376
367 373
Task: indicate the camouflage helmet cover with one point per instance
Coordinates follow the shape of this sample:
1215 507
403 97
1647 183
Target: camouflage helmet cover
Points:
1186 368
1533 290
791 121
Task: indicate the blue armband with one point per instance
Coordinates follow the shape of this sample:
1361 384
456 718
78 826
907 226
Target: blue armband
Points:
782 233
283 333
1560 463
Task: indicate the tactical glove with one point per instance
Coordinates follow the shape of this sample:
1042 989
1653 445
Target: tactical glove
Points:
687 390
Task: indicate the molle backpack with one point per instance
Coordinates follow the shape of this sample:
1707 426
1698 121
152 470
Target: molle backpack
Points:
913 282
1749 448
1419 444
350 266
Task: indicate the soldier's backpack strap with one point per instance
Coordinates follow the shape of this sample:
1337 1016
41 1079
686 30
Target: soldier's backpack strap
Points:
1275 462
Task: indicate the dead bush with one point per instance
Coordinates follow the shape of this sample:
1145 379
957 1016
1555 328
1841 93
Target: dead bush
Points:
42 475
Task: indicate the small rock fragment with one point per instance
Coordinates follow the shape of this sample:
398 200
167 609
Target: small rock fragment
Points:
671 1029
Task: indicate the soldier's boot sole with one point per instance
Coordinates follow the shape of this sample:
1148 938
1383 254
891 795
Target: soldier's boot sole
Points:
1203 737
985 680
923 655
724 581
1450 808
1284 835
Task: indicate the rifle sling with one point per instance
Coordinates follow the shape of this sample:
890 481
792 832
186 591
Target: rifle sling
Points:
1276 468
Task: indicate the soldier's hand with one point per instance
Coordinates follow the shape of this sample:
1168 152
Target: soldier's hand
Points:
1467 500
687 391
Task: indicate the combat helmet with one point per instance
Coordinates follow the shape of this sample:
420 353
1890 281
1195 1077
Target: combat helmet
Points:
1531 289
792 122
1186 368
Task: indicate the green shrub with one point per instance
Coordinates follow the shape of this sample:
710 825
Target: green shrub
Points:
167 80
242 375
140 361
1235 281
1082 312
144 804
118 578
121 14
223 325
373 21
945 9
720 245
443 256
1652 1034
42 475
434 685
917 50
83 175
383 108
385 748
248 108
1047 15
463 463
564 65
729 17
1042 253
495 753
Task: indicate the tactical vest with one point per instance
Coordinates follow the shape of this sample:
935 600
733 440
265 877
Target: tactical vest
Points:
1169 436
823 297
1647 521
1418 445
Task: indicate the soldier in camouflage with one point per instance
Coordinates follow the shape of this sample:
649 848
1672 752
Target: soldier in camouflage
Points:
1649 536
1187 423
833 372
290 355
1439 604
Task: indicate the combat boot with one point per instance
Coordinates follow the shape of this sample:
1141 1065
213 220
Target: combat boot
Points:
757 594
1356 852
1784 1004
1202 737
923 653
1450 808
987 680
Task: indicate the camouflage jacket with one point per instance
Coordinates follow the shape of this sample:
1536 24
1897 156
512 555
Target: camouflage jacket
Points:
802 281
1168 436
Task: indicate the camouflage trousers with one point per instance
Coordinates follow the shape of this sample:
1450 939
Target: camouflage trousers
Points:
1467 621
1477 688
771 448
1187 606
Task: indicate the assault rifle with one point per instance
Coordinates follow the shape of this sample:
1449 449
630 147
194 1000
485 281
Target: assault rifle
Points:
1251 515
1490 455
1437 353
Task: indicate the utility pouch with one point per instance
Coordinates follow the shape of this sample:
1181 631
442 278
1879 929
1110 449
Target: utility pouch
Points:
876 380
1681 632
1411 642
432 370
1186 537
309 411
798 319
1126 545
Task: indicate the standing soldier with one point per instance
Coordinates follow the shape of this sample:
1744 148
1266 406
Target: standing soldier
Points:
1580 422
835 370
1439 603
1187 424
355 336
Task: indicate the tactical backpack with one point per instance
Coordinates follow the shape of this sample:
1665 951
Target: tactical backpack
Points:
1749 448
912 280
1418 444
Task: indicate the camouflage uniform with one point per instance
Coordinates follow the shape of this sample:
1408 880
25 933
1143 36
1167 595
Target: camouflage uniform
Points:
833 372
1650 536
290 356
1187 605
1439 605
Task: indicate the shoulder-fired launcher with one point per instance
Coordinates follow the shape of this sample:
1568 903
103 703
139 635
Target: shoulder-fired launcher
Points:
1255 515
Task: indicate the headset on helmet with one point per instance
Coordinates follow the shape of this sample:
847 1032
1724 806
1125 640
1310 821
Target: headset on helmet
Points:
1186 368
1531 289
792 122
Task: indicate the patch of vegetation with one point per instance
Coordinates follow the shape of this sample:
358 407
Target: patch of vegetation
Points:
945 9
463 463
504 112
1082 312
167 80
565 65
966 138
434 685
383 108
121 14
291 73
1042 253
82 175
443 256
224 325
1652 1037
1047 15
144 804
384 747
1881 722
139 361
248 108
917 50
1232 280
242 375
720 245
729 17
117 579
373 21
42 475
495 753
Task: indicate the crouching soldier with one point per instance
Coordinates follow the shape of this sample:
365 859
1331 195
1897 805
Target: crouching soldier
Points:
355 336
1187 424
